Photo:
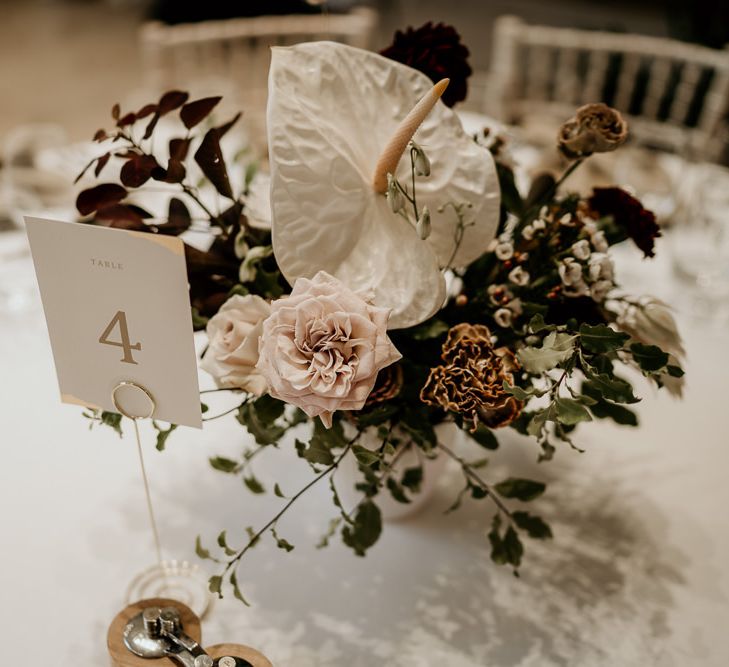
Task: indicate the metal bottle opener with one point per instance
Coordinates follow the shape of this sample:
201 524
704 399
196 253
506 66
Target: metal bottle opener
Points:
158 633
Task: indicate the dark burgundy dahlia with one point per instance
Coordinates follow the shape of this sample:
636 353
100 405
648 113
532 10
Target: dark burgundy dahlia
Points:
437 52
628 215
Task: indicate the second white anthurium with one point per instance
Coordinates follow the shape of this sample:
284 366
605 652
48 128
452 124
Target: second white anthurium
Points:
332 110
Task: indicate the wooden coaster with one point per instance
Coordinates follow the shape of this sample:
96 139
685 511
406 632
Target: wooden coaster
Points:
123 657
240 651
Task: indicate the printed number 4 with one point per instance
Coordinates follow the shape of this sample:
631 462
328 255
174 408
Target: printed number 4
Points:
121 319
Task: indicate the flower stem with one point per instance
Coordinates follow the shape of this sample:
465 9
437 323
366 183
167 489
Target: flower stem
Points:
254 539
473 476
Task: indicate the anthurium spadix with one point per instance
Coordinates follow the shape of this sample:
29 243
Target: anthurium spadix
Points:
335 116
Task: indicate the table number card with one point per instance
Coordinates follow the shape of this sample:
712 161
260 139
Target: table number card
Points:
117 308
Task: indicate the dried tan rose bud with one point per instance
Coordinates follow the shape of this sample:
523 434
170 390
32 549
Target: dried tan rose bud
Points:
595 128
471 381
388 385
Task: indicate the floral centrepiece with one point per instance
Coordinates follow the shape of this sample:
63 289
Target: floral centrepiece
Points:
389 303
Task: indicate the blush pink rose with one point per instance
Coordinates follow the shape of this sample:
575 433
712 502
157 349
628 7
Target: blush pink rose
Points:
322 347
232 352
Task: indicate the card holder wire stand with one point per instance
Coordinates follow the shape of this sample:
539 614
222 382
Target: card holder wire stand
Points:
179 580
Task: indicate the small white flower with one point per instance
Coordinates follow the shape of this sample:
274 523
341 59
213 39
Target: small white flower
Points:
519 276
599 242
600 267
570 271
503 317
504 250
528 233
499 293
539 225
565 220
581 249
590 227
600 289
544 212
422 226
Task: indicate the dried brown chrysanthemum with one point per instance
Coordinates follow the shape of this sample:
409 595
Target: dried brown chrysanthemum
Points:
471 380
595 128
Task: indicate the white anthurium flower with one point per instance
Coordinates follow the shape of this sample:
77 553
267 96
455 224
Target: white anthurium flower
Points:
336 127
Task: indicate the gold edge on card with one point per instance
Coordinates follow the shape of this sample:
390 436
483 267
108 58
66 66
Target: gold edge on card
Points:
171 243
73 400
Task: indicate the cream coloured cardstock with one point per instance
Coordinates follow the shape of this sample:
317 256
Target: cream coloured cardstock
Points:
117 308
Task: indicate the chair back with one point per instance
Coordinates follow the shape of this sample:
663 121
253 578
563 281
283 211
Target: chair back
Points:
674 94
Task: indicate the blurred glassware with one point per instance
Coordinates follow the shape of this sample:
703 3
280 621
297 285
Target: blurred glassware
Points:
700 237
651 176
18 291
26 188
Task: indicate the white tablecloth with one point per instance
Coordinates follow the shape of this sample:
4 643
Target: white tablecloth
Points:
636 574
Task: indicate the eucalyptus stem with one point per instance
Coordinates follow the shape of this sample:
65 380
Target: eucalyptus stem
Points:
272 523
222 414
471 474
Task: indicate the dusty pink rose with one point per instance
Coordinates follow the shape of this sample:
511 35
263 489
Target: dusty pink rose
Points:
322 347
233 334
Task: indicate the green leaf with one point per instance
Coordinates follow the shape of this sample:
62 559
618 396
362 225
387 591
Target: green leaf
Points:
570 411
316 452
485 437
366 528
397 491
240 290
268 409
537 324
198 321
365 456
331 531
224 545
264 432
281 543
519 488
513 547
510 196
431 329
601 338
236 590
113 420
254 486
612 389
675 371
277 491
251 171
377 416
603 409
521 393
533 525
459 499
650 358
200 551
556 348
224 465
204 408
539 419
162 434
214 584
412 478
